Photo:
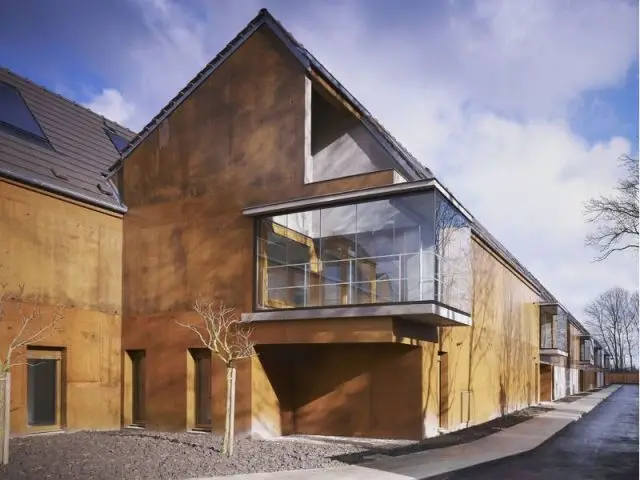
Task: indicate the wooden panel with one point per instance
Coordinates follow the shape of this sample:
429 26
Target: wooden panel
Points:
546 383
92 400
63 253
335 330
68 255
354 390
624 378
492 364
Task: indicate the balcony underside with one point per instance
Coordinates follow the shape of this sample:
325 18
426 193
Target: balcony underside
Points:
424 313
585 363
343 330
553 352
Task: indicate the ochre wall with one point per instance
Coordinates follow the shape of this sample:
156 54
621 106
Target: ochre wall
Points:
546 383
69 256
360 390
492 365
588 380
238 140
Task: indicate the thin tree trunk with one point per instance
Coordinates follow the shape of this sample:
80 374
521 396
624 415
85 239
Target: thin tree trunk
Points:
227 444
5 396
232 413
630 349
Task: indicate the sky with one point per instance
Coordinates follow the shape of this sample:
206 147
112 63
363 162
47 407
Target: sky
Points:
521 108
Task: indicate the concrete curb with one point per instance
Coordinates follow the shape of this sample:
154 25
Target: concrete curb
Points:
520 438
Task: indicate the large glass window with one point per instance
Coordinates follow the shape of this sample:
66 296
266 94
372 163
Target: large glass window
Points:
586 350
546 331
560 326
382 251
553 328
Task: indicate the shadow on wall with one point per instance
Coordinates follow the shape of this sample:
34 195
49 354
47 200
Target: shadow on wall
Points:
473 348
516 359
345 389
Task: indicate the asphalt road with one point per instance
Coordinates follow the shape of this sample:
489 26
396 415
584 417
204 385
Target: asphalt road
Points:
601 445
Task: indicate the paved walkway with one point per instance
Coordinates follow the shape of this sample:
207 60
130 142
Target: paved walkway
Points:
512 441
602 445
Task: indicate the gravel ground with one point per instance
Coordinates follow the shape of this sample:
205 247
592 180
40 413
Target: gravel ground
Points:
137 455
140 455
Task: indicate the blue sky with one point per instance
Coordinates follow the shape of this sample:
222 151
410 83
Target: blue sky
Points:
521 108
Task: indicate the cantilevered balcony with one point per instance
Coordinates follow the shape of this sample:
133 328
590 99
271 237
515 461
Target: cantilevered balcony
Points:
399 251
586 350
553 330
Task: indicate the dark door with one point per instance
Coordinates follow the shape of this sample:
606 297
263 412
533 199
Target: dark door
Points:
138 386
202 359
43 388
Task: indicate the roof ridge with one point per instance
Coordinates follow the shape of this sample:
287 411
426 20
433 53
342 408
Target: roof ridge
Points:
66 99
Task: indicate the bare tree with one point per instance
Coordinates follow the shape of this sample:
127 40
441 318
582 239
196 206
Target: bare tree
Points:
224 334
29 329
613 316
631 326
616 216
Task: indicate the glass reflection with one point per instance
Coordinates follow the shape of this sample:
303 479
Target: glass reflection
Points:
403 249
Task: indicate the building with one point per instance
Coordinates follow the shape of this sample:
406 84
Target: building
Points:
266 184
380 306
571 360
61 236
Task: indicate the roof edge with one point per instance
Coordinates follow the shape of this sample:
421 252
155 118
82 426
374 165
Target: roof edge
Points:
68 193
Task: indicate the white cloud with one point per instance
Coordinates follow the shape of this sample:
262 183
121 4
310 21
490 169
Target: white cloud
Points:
111 104
481 95
178 43
526 179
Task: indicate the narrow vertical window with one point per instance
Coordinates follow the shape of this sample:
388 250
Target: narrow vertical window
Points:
137 358
202 383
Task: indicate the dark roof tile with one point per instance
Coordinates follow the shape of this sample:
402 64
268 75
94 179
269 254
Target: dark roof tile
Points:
81 153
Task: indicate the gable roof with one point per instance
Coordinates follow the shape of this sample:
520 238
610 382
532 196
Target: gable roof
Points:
405 162
75 158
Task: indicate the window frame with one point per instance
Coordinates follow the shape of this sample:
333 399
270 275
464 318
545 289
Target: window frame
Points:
260 259
56 354
17 131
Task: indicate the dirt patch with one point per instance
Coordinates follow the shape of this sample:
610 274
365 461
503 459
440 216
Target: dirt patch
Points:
142 455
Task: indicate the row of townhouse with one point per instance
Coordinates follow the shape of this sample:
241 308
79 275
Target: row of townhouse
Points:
380 306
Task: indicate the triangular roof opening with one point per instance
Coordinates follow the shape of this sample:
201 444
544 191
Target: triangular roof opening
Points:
119 142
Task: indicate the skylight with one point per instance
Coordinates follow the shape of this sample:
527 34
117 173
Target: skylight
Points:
118 142
15 114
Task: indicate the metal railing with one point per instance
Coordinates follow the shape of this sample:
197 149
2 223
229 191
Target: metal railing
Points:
395 278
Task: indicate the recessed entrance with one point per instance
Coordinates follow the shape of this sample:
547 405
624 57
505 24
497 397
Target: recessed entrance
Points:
44 389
